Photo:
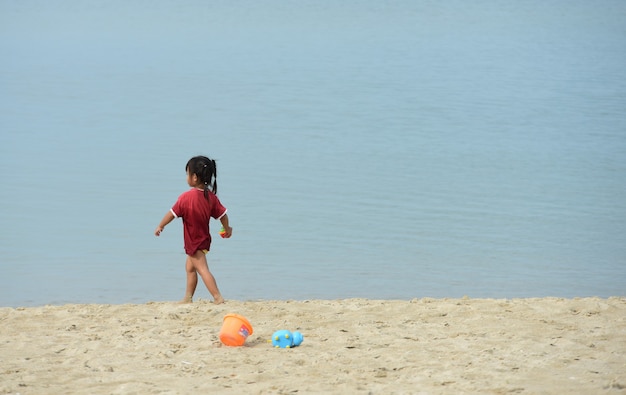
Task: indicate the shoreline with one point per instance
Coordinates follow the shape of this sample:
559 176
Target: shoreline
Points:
531 345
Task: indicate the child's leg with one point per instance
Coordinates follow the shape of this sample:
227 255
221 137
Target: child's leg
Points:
202 268
192 280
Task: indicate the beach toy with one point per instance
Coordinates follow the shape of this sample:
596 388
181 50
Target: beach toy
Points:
235 330
286 339
222 232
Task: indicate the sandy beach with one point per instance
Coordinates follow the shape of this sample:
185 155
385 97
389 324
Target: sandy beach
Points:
422 346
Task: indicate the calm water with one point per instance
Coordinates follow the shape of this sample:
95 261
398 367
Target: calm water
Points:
365 149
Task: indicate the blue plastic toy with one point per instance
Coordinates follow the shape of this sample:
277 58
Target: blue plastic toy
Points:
286 339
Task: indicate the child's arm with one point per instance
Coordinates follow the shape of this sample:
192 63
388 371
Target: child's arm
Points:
228 231
169 217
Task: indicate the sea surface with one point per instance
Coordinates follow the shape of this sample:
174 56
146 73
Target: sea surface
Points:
379 149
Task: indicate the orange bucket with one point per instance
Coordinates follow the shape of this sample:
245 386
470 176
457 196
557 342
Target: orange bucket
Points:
235 330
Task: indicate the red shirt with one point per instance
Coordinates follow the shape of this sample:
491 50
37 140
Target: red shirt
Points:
196 211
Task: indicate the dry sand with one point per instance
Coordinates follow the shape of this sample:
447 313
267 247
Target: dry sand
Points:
422 346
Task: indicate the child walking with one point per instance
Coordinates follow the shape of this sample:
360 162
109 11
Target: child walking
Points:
196 207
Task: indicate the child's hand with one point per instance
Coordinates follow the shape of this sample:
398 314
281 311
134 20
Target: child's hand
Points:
158 231
227 232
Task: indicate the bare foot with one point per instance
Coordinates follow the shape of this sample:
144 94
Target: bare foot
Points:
186 299
219 300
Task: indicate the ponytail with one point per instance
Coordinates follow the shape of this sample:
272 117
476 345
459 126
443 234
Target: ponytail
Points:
214 176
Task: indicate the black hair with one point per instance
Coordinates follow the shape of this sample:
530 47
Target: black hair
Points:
206 171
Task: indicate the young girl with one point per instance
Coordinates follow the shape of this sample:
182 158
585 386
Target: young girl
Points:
196 207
